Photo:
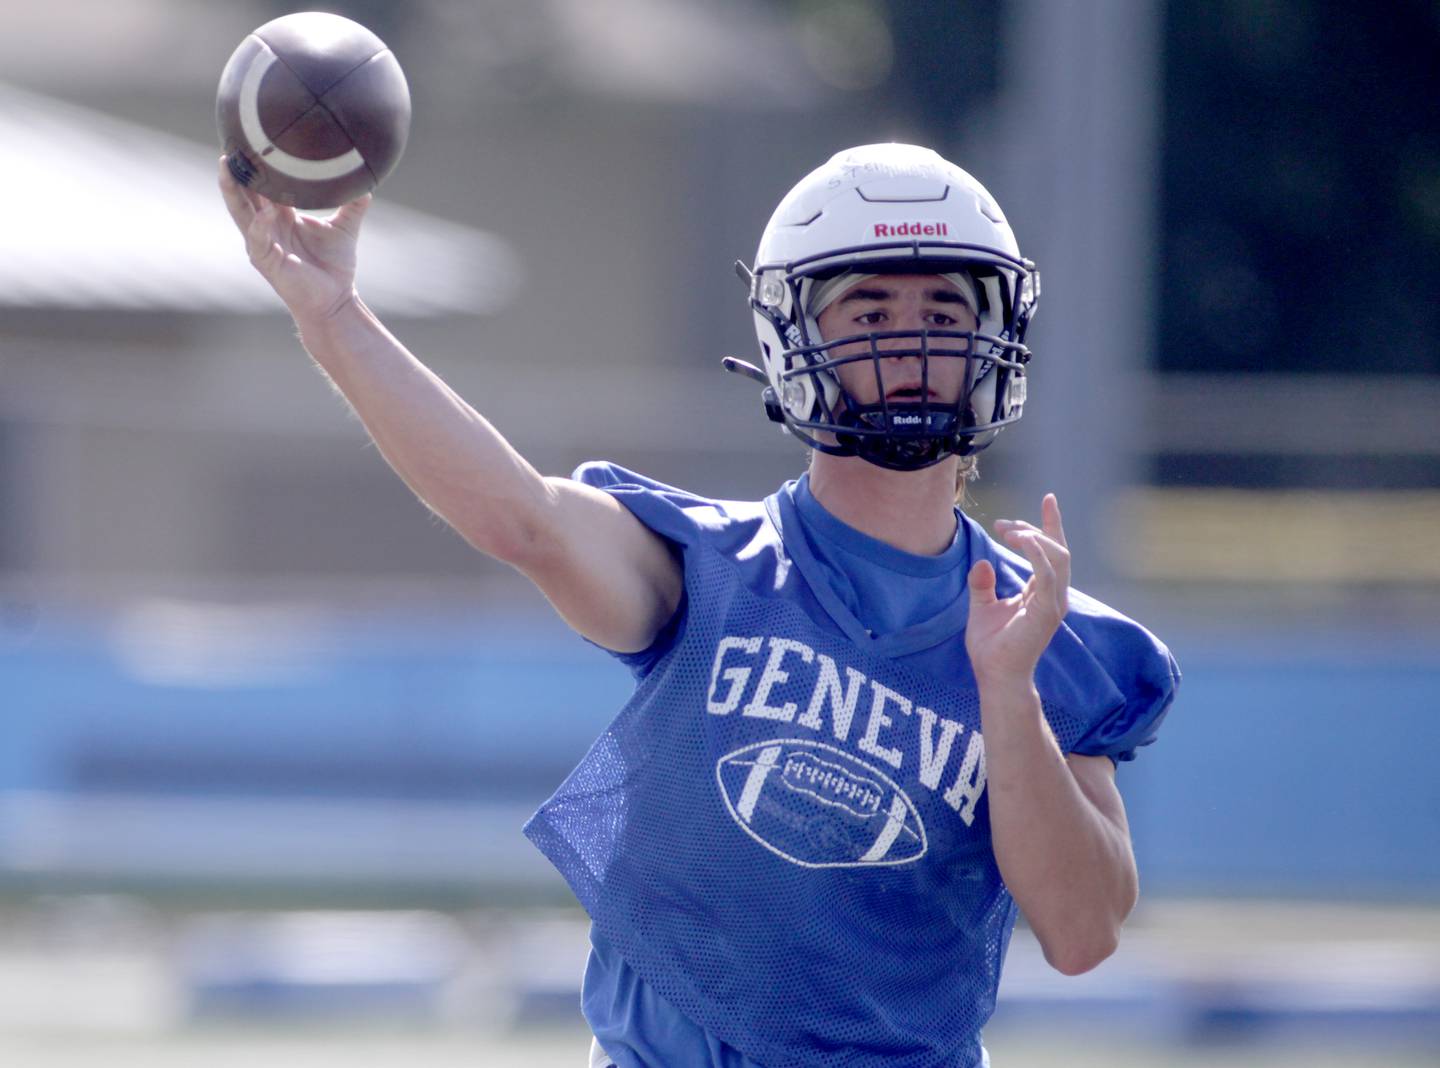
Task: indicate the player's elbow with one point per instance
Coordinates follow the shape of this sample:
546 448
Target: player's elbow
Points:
1078 955
1080 962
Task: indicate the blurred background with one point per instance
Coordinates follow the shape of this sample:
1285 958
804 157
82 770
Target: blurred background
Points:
261 783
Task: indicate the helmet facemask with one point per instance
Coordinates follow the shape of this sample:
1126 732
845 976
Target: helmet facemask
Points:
900 430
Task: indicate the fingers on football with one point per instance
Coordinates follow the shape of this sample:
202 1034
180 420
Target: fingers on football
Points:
254 215
237 199
260 232
349 216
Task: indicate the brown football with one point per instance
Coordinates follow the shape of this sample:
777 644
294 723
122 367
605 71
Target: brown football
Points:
313 110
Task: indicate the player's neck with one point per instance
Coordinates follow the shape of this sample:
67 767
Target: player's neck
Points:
912 510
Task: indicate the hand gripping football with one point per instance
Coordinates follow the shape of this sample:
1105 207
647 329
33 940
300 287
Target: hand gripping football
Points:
313 110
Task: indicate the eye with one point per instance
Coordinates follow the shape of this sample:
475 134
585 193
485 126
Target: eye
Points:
941 319
870 318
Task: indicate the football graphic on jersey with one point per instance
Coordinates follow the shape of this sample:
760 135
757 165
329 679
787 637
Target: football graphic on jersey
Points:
818 806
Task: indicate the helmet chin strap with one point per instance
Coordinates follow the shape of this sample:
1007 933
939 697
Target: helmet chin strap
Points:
905 454
929 435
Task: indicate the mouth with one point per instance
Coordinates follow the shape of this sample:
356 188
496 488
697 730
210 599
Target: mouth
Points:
912 395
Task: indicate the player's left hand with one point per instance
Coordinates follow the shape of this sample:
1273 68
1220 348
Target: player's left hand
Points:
1005 637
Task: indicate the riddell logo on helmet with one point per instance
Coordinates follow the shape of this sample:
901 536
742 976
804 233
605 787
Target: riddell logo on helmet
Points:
912 229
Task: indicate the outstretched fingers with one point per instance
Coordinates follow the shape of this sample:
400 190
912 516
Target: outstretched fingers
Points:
1050 563
982 584
1050 535
1050 518
1033 544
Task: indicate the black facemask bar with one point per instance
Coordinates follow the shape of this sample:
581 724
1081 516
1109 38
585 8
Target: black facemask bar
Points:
904 434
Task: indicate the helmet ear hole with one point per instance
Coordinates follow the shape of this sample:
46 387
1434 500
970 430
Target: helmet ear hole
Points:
982 399
772 406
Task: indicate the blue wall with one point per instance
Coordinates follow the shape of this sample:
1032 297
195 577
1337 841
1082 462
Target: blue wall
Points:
1309 769
1290 769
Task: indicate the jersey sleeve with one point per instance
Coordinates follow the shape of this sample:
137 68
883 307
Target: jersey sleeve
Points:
670 513
1142 670
1106 681
674 514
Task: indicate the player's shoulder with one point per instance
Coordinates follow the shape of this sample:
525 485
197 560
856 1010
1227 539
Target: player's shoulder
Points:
1138 664
678 514
1132 654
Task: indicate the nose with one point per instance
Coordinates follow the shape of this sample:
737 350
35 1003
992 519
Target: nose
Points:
905 348
907 319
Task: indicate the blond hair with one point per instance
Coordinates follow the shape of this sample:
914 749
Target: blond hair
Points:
966 472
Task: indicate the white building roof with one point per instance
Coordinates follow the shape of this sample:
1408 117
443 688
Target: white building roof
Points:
104 213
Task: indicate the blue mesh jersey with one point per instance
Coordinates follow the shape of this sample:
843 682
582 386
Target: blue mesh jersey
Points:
783 839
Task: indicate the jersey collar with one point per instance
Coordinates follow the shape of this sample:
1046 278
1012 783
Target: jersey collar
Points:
939 628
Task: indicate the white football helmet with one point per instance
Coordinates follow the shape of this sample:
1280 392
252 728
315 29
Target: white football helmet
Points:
889 209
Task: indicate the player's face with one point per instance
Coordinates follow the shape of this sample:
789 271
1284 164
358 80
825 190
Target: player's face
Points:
900 302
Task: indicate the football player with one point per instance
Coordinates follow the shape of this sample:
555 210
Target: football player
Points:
865 733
